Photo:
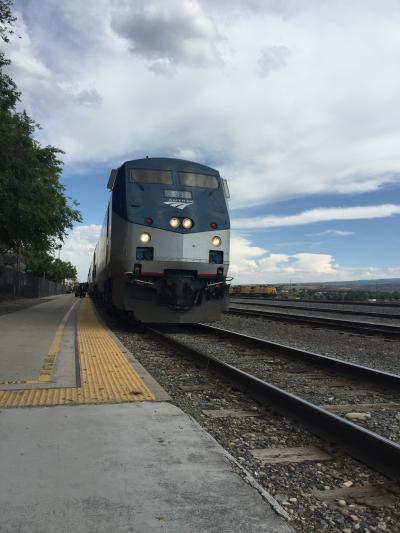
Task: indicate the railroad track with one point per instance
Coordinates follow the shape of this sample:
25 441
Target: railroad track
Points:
369 328
341 302
264 304
301 402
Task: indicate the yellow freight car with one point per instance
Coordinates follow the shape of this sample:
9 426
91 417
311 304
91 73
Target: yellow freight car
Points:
252 290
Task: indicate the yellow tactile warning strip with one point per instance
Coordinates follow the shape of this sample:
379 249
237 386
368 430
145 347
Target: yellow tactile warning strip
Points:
106 374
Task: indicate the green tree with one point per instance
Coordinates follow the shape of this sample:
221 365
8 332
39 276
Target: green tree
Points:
44 265
34 212
6 20
63 270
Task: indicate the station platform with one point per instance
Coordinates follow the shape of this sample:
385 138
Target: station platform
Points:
90 443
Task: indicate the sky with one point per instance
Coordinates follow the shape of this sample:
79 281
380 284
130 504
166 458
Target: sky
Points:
295 103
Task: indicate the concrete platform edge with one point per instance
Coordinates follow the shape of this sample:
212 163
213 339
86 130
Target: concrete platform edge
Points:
243 473
248 478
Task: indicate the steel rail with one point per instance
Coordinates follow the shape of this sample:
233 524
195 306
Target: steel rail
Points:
386 379
319 309
371 328
343 302
370 448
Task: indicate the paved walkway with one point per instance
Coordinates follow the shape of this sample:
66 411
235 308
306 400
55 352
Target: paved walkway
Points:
26 337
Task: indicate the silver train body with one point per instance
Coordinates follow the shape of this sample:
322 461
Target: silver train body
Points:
163 251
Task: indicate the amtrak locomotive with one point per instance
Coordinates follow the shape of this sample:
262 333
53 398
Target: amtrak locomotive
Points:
163 252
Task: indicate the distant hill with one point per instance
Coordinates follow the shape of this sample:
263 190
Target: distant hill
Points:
385 281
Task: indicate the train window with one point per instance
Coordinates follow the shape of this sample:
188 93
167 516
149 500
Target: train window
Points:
216 257
187 195
190 179
144 253
226 188
144 175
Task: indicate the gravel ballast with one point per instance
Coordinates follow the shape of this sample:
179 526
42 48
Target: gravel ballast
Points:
373 351
304 379
323 306
383 321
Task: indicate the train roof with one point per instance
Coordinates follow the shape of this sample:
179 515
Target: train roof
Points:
170 163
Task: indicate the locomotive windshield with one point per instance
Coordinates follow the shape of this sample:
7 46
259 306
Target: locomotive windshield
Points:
142 175
190 179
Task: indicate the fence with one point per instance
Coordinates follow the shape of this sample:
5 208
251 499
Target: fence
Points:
13 283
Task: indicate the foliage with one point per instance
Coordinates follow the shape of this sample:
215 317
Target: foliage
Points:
9 95
6 20
355 294
34 211
44 265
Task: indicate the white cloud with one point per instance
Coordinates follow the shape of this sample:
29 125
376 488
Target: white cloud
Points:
243 255
79 247
322 214
334 232
174 32
315 263
26 63
88 97
251 264
272 59
162 77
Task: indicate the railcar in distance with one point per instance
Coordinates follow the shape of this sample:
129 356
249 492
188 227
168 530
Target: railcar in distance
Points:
253 290
163 251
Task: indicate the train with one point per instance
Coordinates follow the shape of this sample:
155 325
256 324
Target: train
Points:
163 251
252 290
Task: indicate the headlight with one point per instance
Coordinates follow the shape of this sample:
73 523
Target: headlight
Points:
174 222
145 237
187 223
216 241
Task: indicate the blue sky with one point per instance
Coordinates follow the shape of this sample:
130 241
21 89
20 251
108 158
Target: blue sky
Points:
295 103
